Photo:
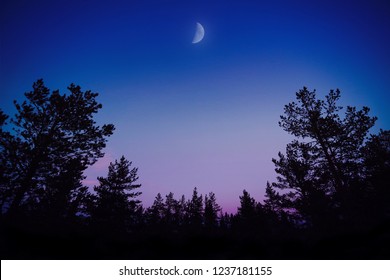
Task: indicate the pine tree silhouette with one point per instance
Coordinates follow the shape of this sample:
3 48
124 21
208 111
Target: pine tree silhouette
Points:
116 196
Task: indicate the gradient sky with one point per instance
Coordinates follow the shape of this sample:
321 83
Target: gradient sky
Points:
201 115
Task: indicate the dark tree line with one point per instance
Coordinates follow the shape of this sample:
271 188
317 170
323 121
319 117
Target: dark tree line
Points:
332 187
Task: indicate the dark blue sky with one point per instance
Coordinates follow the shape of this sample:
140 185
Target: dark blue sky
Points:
200 115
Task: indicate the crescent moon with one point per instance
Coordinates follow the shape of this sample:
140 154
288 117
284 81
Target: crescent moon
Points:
199 33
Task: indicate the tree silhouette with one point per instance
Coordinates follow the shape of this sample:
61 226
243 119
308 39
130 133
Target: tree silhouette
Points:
318 173
195 209
250 214
172 211
247 208
376 154
180 211
156 213
331 197
211 211
7 172
116 195
52 140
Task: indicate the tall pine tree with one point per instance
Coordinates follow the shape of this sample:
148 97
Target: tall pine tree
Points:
211 211
51 140
323 166
117 195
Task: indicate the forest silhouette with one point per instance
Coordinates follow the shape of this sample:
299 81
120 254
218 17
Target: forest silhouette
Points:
330 200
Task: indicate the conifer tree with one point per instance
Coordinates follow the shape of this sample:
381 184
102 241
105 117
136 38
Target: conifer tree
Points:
321 167
117 195
211 211
195 209
171 216
156 212
54 139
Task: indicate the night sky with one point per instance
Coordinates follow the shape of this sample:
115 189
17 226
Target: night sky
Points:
198 115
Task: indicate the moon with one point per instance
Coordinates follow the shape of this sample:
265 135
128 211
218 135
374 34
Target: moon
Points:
199 33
